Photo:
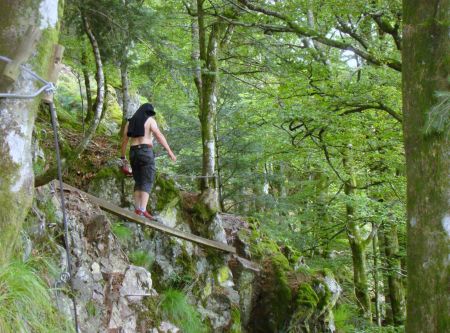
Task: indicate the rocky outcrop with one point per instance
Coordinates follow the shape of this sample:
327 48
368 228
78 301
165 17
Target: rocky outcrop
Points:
111 294
264 288
259 290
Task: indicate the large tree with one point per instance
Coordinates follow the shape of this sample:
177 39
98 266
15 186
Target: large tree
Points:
33 28
426 47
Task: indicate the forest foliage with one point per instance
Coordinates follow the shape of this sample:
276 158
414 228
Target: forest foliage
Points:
308 126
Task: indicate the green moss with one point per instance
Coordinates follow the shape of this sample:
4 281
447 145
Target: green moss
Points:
306 296
14 207
185 261
223 274
291 254
281 294
202 212
244 235
324 294
91 309
264 247
236 325
207 289
150 316
110 172
48 208
167 192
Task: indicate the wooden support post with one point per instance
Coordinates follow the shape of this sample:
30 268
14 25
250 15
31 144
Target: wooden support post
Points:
54 70
22 54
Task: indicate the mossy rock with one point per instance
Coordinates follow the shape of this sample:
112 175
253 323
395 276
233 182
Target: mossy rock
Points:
291 254
236 325
261 248
107 173
307 297
324 293
224 275
205 208
306 307
166 192
276 294
202 212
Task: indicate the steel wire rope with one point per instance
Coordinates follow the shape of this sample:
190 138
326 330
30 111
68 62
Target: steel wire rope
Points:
50 88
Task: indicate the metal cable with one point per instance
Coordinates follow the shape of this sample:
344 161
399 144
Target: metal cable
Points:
65 276
49 88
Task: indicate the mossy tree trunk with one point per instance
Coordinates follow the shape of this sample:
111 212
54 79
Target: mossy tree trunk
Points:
395 289
87 84
125 93
358 244
376 279
207 86
426 47
124 70
17 116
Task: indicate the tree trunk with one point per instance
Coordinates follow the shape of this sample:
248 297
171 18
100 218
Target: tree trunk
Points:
195 53
125 93
426 47
376 279
17 116
358 247
396 294
358 250
208 105
208 111
99 77
87 85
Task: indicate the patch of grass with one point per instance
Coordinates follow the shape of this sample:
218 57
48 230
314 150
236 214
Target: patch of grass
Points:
121 231
91 309
142 259
25 302
175 308
179 281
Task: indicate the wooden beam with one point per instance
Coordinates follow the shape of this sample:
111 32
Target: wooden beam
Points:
22 53
132 217
54 70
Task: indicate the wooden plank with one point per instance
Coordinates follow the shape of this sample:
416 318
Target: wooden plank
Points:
131 216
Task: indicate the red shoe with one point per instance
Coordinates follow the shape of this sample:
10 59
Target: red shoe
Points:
148 215
145 214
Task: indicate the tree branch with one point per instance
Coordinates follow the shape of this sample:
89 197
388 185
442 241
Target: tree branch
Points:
307 32
379 106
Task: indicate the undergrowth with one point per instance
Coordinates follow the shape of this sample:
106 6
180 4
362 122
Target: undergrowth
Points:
142 259
175 308
121 231
25 301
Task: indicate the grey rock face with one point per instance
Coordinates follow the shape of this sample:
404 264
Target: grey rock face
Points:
109 291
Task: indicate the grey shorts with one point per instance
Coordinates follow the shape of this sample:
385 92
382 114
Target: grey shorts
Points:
142 162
